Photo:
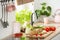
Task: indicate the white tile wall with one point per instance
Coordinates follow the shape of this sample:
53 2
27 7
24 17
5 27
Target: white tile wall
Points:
7 31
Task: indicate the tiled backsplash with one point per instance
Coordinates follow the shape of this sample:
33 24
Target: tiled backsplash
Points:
7 31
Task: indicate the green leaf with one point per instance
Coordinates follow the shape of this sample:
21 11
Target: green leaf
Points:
43 4
29 26
23 15
37 12
43 8
49 8
47 13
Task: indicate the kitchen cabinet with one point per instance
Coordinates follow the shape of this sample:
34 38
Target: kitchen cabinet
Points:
19 2
27 1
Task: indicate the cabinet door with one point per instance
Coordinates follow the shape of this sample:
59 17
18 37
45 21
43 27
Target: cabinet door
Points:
19 2
27 1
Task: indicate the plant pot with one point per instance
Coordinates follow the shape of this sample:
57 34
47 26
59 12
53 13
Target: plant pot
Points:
41 18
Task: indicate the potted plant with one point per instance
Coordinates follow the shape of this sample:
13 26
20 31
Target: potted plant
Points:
44 11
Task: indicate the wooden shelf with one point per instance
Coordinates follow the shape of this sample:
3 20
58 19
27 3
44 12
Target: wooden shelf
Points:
19 2
27 1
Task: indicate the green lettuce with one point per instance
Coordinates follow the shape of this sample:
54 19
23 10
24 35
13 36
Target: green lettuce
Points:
23 15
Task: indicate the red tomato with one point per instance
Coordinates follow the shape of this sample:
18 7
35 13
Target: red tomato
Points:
47 29
52 28
17 35
40 34
36 34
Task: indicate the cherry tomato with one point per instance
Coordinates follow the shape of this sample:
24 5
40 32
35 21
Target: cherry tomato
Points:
17 35
52 28
40 34
36 34
47 29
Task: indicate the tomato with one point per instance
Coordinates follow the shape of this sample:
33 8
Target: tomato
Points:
17 35
47 29
52 28
36 34
40 34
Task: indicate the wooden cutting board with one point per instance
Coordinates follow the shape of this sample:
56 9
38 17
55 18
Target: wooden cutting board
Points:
42 37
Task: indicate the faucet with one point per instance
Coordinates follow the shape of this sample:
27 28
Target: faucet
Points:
35 14
32 19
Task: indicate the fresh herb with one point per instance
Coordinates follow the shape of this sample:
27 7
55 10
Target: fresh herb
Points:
45 10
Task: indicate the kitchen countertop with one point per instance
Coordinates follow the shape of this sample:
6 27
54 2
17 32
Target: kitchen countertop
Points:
51 35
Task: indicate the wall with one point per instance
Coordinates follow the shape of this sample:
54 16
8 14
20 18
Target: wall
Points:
7 31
